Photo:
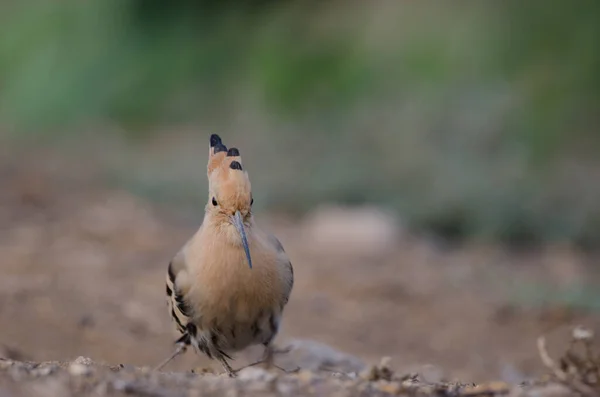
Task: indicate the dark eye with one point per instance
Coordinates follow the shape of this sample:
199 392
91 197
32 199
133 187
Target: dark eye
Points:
214 201
252 201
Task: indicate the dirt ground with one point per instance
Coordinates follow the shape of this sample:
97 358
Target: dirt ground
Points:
84 377
82 274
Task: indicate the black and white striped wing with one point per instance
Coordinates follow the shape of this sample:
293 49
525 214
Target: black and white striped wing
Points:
177 286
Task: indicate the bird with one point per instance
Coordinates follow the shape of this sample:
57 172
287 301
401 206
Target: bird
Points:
228 286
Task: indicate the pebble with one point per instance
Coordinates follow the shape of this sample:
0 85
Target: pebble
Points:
253 373
4 364
43 371
305 375
495 387
389 387
77 369
83 360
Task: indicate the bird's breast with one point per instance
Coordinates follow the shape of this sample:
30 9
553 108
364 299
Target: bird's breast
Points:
226 289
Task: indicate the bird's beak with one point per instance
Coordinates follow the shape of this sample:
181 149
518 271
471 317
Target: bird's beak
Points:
239 225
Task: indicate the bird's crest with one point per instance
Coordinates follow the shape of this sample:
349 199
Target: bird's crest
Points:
228 181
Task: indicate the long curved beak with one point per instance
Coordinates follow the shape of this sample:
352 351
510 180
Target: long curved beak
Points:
239 225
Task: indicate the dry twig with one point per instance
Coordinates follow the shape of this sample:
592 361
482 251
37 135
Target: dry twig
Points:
579 371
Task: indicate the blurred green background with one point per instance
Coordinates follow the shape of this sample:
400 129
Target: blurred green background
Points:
471 119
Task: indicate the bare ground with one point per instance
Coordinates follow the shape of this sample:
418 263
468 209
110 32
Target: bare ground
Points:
84 377
83 271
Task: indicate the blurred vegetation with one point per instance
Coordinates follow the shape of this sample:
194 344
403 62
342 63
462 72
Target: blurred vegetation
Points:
470 119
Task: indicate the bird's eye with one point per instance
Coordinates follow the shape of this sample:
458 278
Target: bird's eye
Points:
214 201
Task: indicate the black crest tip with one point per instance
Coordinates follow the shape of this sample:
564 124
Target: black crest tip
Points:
233 152
219 147
235 165
215 140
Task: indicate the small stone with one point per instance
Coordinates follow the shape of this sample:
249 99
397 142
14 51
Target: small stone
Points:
389 387
487 388
43 371
4 363
385 372
254 373
305 376
370 374
77 369
582 333
83 360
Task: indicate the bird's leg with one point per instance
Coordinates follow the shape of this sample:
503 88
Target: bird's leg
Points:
268 356
235 371
180 349
230 372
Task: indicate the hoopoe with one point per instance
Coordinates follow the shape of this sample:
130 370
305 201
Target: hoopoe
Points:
228 285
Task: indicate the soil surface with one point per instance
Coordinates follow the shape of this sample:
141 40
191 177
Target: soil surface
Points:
83 377
83 275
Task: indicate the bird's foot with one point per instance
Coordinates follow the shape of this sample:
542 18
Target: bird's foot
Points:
230 371
267 366
268 361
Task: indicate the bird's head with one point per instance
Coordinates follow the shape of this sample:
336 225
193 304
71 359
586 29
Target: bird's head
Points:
230 194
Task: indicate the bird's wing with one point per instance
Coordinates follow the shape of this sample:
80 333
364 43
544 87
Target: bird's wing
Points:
178 285
284 266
